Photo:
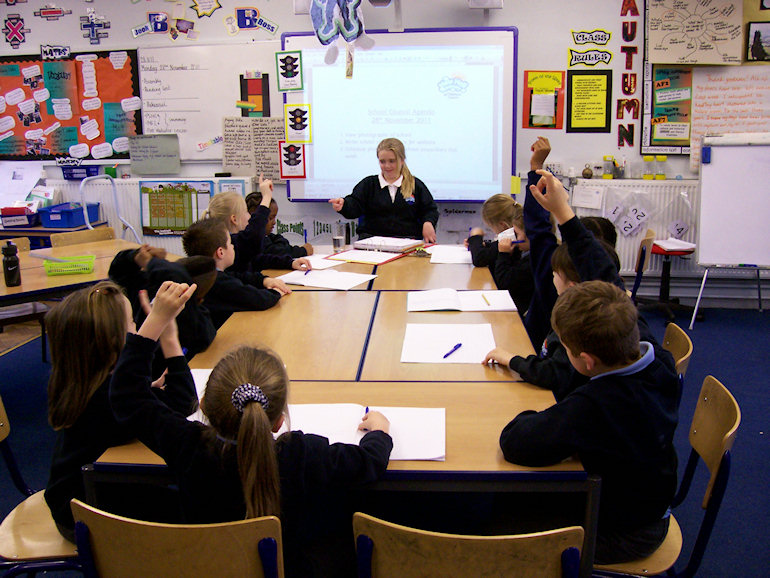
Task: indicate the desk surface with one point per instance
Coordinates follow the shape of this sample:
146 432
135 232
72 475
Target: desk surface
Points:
318 334
36 285
414 273
475 415
383 355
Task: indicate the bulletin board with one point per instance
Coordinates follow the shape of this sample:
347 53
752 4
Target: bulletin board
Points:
188 90
84 107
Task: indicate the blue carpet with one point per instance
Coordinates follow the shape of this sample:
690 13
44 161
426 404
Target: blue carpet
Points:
732 345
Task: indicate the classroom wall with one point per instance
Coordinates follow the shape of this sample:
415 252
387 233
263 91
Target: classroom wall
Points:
545 36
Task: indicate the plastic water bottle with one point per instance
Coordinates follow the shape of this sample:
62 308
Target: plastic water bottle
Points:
11 265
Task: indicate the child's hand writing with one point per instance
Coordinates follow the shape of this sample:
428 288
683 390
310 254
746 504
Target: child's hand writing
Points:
555 198
505 245
498 355
308 247
301 264
374 421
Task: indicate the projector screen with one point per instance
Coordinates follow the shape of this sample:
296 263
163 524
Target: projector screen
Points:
449 96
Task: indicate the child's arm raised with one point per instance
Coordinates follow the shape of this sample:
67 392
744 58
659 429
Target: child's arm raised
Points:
169 301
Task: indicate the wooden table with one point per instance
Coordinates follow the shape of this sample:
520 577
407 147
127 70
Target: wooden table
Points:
474 461
43 234
415 273
36 285
383 354
318 334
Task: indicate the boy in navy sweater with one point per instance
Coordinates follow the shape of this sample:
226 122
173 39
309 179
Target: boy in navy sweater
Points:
250 291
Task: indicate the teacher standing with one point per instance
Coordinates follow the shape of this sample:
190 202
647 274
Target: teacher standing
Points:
393 203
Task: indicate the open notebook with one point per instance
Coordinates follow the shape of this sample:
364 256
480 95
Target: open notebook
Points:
452 300
419 433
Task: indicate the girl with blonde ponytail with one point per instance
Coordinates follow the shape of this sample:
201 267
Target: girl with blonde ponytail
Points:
233 468
393 203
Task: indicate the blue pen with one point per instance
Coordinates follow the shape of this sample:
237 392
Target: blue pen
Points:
451 351
367 409
308 271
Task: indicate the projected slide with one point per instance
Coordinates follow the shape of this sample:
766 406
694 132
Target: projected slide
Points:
451 105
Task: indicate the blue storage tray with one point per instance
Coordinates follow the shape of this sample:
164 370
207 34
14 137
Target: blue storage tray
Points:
68 215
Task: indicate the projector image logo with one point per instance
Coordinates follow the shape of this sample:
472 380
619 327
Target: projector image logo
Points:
453 87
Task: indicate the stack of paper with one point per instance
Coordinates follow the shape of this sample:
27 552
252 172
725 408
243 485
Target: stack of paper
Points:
672 244
389 244
328 279
321 261
437 343
453 300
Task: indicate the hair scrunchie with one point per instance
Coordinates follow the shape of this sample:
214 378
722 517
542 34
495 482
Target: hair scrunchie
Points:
245 394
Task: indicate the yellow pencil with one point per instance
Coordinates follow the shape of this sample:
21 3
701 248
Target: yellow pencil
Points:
484 297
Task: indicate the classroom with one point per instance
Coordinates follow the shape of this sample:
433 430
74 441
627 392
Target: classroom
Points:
655 116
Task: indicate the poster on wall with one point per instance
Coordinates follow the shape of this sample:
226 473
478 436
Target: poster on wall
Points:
170 206
543 99
667 109
588 100
694 32
84 107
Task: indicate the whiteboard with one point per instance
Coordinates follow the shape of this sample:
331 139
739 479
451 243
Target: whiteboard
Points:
448 95
187 90
734 207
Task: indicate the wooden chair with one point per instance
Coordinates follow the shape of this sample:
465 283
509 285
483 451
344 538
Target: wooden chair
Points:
679 344
28 536
86 236
111 545
386 549
26 311
714 424
642 260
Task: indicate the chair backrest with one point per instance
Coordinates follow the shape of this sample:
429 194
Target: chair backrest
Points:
642 260
679 344
387 549
714 424
118 546
22 243
86 236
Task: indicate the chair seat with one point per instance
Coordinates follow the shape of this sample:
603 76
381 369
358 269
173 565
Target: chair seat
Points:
29 533
656 563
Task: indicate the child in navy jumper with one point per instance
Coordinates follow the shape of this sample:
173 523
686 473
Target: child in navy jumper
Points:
251 291
620 423
274 243
233 468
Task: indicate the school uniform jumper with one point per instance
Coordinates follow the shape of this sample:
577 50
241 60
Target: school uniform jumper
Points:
276 244
96 430
510 271
249 247
381 216
206 469
621 425
231 294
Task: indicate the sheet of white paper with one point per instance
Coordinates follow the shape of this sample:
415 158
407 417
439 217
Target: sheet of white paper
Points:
429 342
486 301
17 180
672 244
543 104
319 261
200 377
361 256
419 433
328 279
450 254
452 300
587 196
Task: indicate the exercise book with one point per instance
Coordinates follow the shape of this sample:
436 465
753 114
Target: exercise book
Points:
367 257
447 299
327 279
450 254
389 244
